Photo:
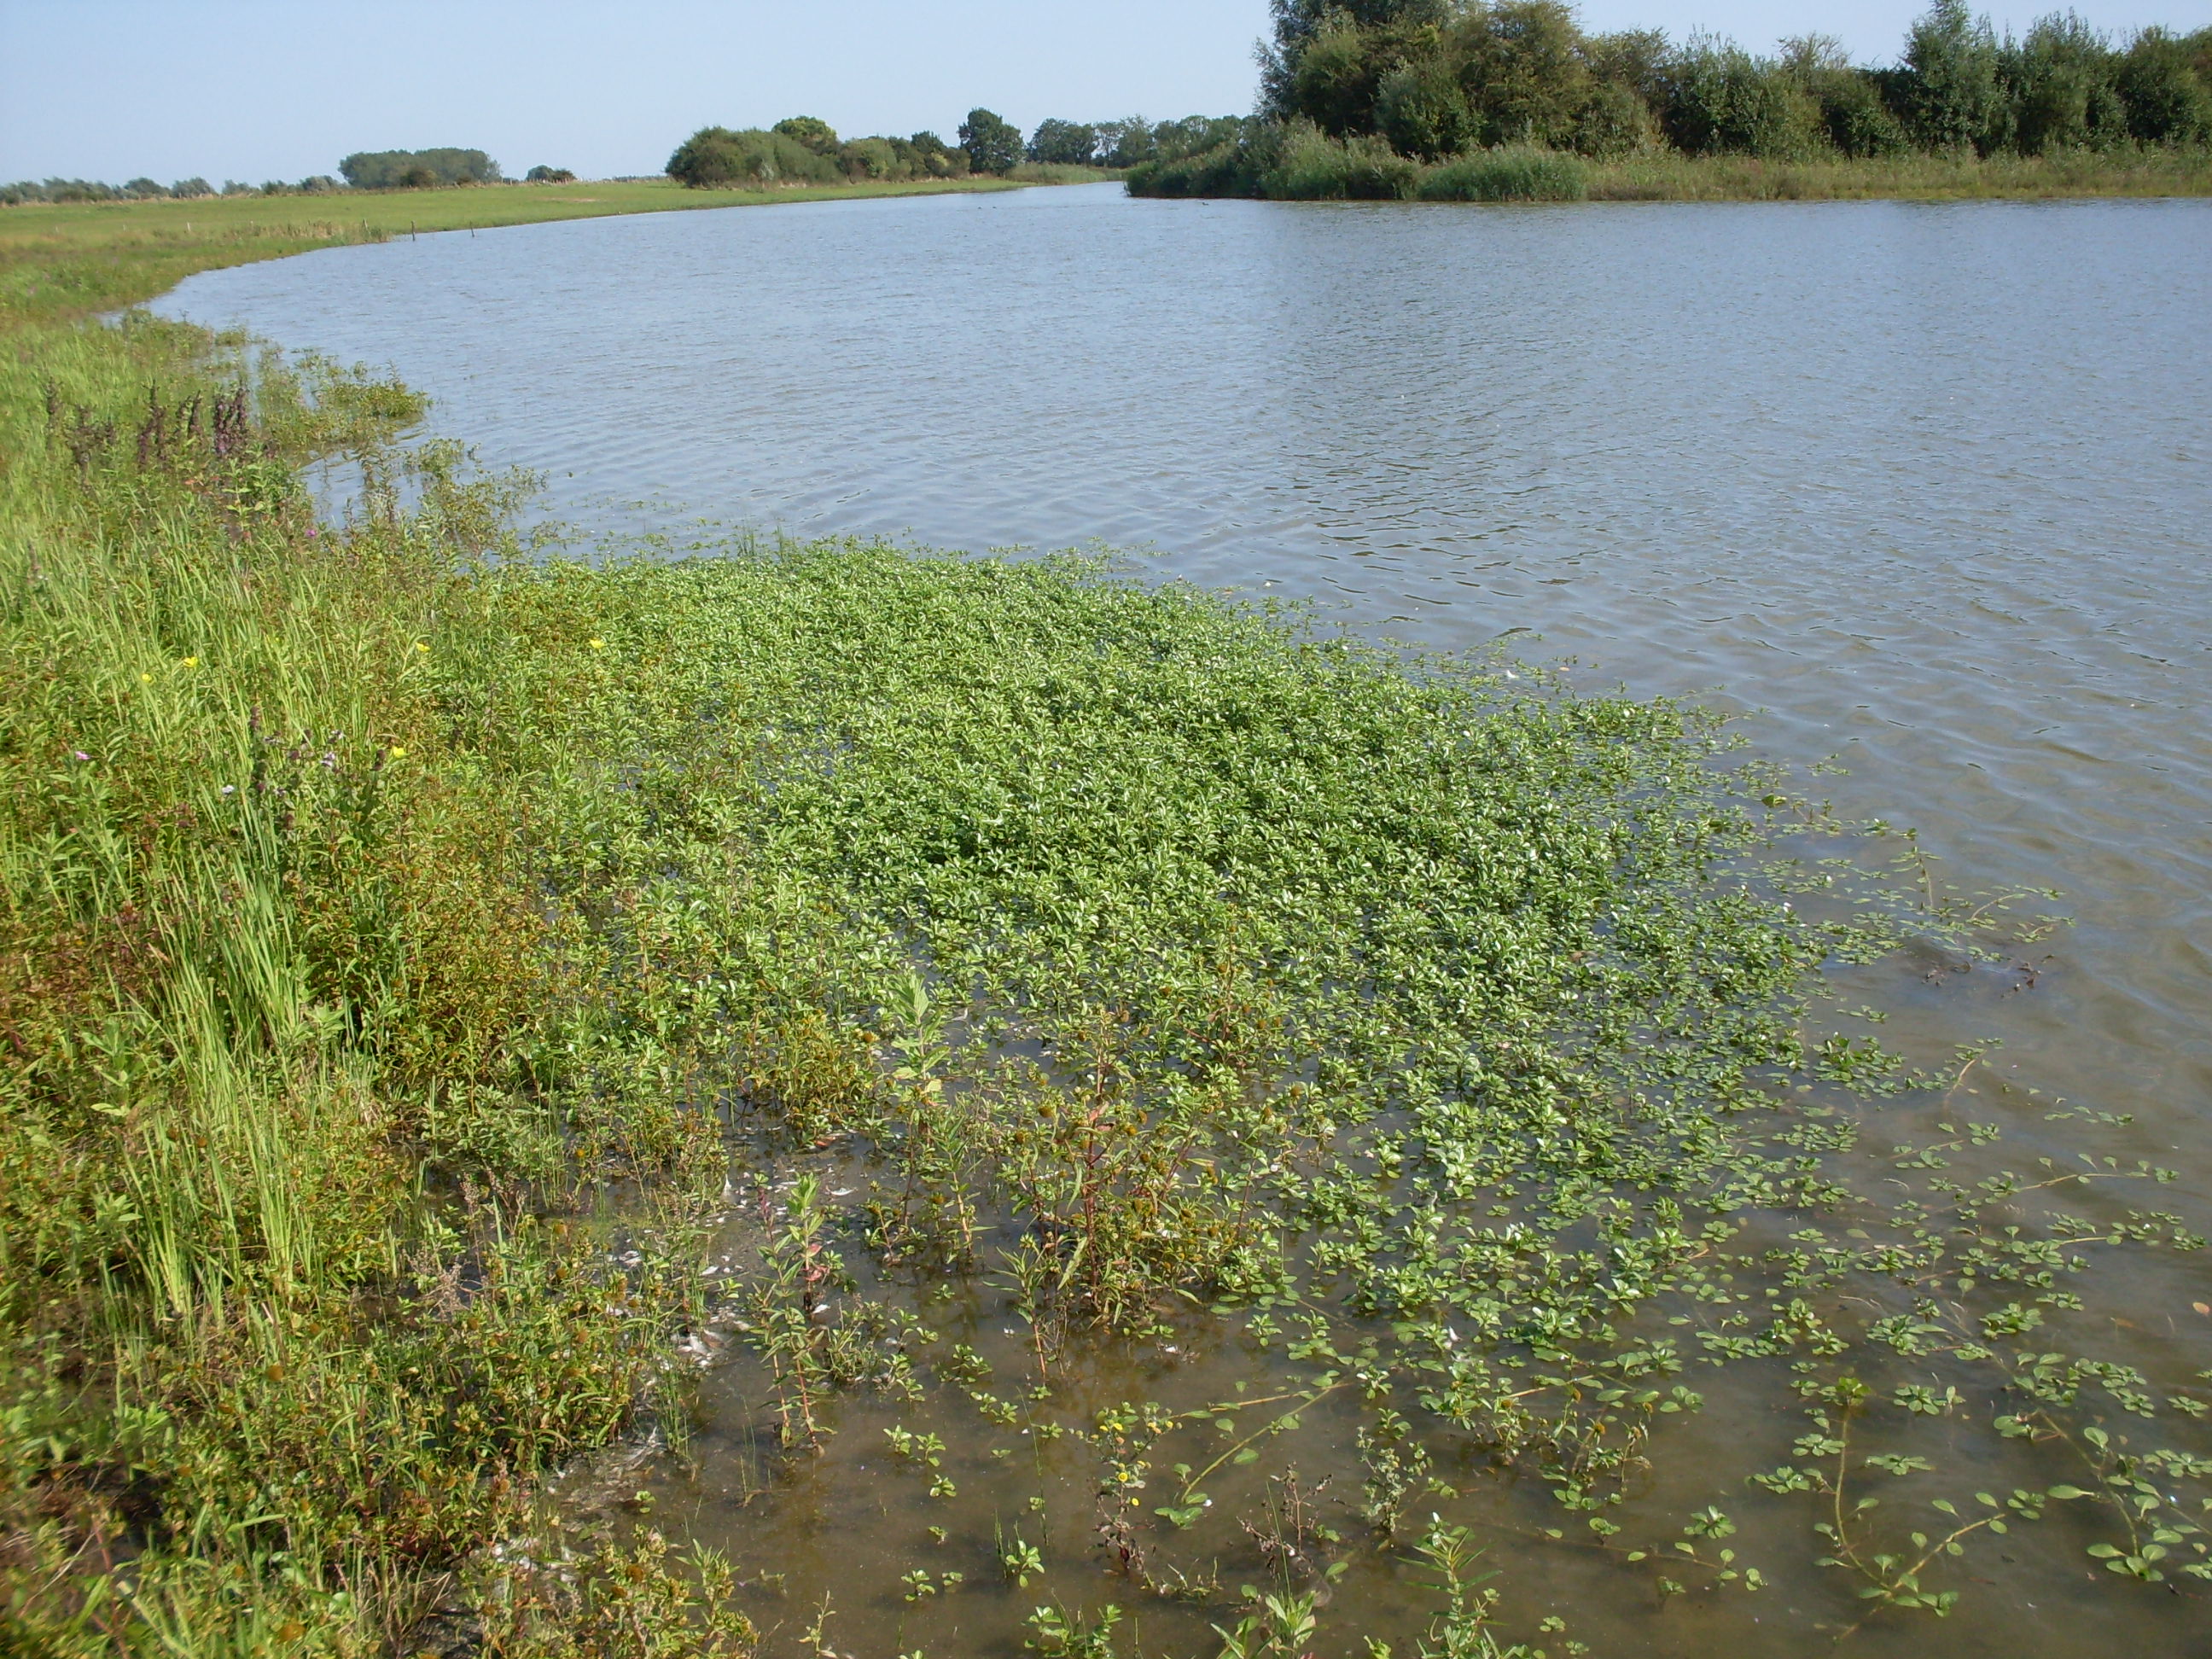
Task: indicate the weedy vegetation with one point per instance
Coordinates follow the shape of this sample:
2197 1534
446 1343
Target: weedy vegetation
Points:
420 954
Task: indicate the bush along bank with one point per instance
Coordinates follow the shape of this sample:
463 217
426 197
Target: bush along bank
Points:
1372 106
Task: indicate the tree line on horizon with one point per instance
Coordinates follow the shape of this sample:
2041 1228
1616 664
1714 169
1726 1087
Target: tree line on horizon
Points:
1427 81
387 169
150 190
807 149
799 149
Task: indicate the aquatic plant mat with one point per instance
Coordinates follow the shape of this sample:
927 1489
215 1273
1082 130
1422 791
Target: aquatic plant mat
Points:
1237 1119
1020 1104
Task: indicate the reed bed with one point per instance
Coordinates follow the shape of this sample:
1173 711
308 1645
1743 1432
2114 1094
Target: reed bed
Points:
1910 177
1300 163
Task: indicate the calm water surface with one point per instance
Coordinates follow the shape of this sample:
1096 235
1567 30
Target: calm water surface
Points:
1925 487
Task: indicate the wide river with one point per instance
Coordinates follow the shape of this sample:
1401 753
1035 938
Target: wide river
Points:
1926 488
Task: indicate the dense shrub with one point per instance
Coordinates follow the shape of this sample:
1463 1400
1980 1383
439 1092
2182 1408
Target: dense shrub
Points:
1336 81
922 157
65 189
803 150
545 175
1193 135
1853 116
872 158
718 156
1616 120
390 169
817 134
936 160
1952 94
1722 101
2167 100
1522 67
1421 110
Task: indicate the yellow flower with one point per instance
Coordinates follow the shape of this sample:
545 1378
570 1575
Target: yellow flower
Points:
190 662
146 679
397 752
421 646
598 645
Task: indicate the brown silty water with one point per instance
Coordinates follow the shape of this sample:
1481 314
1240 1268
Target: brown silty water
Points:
1923 488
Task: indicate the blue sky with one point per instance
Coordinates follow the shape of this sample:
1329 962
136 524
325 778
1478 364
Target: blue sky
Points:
255 90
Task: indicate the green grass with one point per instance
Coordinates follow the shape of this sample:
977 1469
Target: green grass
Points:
230 1367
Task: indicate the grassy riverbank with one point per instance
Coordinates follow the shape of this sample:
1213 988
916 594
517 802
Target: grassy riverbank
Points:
412 951
284 1341
63 260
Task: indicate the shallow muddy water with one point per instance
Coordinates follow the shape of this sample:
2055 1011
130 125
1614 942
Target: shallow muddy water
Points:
1924 488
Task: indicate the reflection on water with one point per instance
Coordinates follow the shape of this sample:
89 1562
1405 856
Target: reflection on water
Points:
1927 486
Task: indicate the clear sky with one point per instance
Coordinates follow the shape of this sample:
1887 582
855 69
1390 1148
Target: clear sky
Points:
255 90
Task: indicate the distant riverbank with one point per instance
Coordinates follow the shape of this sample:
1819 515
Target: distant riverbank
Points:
65 259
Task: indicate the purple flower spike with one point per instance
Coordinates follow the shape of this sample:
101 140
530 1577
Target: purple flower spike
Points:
81 755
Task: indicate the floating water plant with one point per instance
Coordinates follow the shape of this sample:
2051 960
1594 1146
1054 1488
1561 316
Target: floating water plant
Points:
1452 1034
